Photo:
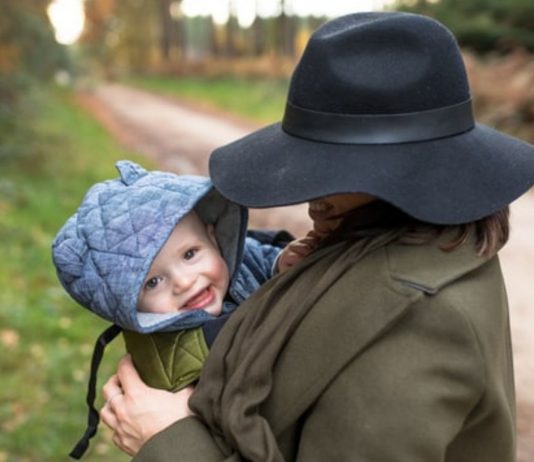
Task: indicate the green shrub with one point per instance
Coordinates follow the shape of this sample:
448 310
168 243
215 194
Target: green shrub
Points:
482 25
46 339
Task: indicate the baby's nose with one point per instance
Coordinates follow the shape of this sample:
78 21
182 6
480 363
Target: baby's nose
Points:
183 280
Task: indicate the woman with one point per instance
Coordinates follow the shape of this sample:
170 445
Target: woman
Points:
390 341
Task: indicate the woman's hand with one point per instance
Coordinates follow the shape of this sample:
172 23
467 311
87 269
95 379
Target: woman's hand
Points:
296 250
136 412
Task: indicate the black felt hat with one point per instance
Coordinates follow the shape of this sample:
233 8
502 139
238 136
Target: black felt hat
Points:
379 103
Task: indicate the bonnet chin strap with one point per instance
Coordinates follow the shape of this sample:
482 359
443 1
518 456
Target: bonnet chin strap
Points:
93 417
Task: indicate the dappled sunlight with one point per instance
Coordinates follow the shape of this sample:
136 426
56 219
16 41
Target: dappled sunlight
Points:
67 17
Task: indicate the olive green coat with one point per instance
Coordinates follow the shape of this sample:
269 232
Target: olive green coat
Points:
413 364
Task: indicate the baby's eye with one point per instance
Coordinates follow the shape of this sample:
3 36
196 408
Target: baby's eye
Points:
152 282
190 253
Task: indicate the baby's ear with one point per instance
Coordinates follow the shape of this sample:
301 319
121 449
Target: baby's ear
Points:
211 234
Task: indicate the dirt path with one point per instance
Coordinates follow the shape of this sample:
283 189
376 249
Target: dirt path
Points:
518 266
179 137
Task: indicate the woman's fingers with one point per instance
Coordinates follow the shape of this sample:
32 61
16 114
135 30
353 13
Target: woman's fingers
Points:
302 248
126 382
112 387
107 415
296 250
128 377
135 411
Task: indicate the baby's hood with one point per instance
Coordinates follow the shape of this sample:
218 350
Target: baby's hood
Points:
104 251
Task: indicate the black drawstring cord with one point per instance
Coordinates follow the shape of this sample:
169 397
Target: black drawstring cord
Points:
93 417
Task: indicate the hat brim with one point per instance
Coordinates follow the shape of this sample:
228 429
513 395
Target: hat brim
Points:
450 180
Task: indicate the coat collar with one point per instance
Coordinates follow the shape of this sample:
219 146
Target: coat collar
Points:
374 296
418 269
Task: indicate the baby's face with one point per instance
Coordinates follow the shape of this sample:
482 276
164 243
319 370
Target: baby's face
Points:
188 273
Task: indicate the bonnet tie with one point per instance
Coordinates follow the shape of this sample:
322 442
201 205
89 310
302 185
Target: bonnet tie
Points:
93 417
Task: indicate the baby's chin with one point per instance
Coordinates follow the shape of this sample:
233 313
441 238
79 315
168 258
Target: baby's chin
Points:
214 311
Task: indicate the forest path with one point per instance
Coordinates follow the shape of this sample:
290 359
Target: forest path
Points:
179 137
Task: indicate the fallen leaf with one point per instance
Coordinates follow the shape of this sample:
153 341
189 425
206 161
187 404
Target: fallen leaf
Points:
10 339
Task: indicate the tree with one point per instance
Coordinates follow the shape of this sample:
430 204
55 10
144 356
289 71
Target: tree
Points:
138 33
27 43
99 33
483 25
28 54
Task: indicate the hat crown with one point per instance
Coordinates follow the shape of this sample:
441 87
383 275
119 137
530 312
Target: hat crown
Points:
380 63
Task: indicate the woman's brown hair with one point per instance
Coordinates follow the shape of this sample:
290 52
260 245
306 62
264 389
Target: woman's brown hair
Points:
490 233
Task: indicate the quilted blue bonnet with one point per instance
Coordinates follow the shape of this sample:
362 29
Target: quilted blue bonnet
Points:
104 251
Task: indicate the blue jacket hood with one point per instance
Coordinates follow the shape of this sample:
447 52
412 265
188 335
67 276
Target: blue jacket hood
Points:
104 251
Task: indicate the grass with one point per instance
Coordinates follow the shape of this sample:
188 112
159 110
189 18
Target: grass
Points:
264 101
46 339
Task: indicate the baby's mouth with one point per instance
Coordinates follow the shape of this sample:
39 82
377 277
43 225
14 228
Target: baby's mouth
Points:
200 300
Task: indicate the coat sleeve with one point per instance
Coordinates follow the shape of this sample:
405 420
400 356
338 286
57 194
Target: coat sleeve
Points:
403 399
259 258
187 440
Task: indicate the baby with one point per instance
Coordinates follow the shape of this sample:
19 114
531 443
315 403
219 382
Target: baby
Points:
188 273
166 259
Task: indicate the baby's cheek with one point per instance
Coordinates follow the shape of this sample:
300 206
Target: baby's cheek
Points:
221 273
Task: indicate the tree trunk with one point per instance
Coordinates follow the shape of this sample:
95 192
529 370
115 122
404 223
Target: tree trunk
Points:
166 23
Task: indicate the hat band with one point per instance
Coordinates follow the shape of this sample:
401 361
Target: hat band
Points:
408 127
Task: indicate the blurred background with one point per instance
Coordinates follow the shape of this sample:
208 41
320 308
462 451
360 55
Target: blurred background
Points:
86 83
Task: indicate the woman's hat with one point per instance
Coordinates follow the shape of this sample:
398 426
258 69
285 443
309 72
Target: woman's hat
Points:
379 103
